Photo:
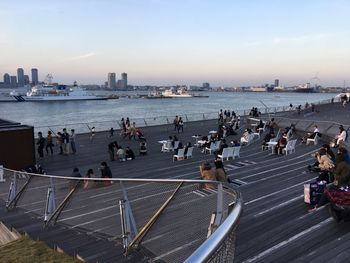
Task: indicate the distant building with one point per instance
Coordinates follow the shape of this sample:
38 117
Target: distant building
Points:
7 79
277 82
125 79
13 81
111 81
35 76
26 80
121 84
20 77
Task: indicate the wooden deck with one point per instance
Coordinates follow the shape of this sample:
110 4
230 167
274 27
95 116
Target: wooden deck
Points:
275 226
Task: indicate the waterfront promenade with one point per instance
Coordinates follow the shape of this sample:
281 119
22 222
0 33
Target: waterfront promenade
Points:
275 226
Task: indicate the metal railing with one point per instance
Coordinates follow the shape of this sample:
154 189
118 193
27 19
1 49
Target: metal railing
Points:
176 220
85 127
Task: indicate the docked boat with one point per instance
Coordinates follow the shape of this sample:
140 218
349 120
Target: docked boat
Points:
50 92
304 88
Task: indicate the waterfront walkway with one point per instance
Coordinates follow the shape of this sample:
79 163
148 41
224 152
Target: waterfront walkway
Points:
275 226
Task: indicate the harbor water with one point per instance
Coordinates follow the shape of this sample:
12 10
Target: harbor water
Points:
105 114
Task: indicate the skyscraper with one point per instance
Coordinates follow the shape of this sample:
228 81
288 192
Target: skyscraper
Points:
7 80
26 79
111 81
35 78
277 82
20 77
13 81
125 79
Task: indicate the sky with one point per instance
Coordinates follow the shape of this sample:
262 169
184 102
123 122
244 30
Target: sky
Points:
166 42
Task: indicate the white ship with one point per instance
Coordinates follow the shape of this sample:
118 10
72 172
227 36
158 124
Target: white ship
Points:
179 93
50 92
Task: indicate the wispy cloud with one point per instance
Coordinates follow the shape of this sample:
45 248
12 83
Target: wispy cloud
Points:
91 54
296 39
76 58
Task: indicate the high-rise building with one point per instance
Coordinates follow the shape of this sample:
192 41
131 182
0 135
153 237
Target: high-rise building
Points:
7 80
35 78
13 81
121 84
111 81
20 77
125 80
277 82
26 79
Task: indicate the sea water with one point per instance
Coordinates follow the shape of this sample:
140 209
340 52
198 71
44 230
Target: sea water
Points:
146 111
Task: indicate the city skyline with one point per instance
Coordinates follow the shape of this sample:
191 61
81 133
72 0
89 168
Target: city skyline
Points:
163 42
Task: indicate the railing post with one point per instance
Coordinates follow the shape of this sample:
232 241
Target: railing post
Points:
50 201
12 191
2 174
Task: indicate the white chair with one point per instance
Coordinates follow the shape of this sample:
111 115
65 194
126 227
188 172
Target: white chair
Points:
225 153
272 146
180 155
167 147
189 152
314 140
211 149
236 152
250 138
176 144
290 147
217 145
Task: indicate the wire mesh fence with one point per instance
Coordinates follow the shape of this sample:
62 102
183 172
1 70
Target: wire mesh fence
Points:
168 218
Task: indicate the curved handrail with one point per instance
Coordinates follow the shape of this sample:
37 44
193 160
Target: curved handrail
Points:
207 250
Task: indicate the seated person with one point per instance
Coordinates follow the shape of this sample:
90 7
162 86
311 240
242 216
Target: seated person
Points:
330 152
245 136
129 154
120 154
189 145
324 161
312 135
89 183
281 144
341 179
207 174
179 147
223 145
143 147
267 138
235 143
340 137
260 125
220 172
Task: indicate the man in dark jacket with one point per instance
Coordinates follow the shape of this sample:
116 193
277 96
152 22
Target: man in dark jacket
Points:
41 144
105 173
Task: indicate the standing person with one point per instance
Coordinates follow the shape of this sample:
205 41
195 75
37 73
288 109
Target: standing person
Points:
65 139
49 143
105 173
111 132
60 142
176 123
111 149
41 144
72 141
92 133
180 125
